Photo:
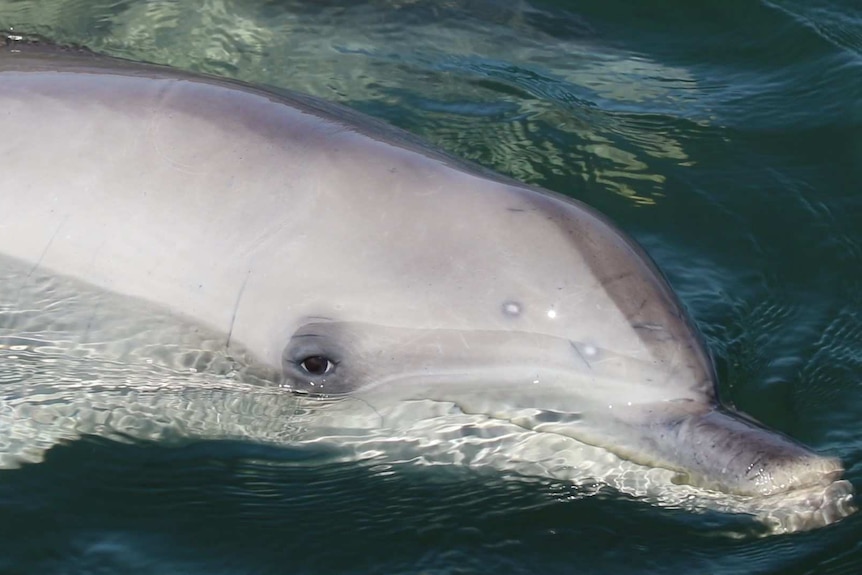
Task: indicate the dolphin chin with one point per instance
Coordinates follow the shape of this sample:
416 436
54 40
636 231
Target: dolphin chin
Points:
235 263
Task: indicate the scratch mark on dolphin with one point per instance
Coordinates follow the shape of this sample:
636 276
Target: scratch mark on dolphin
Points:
580 355
236 309
47 247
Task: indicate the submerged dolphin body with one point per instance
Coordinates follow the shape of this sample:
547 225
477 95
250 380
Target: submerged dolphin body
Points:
342 259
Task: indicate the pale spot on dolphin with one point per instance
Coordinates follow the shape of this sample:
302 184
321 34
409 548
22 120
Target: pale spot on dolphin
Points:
512 308
552 313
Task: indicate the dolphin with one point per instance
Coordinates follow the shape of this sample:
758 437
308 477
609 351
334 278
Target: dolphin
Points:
343 259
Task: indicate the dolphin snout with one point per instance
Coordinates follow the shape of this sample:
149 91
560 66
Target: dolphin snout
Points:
728 452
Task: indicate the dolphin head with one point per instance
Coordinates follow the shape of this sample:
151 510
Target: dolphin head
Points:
548 317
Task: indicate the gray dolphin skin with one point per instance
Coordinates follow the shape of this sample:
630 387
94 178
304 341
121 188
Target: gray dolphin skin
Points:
350 261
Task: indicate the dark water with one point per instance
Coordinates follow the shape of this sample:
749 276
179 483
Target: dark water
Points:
725 136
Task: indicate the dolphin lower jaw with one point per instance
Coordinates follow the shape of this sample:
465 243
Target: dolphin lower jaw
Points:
668 464
707 446
710 447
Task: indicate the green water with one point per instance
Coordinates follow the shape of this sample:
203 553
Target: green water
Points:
725 136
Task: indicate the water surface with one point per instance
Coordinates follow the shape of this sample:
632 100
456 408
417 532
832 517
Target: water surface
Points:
726 137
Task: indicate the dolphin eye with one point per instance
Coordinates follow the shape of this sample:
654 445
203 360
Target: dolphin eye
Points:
317 365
